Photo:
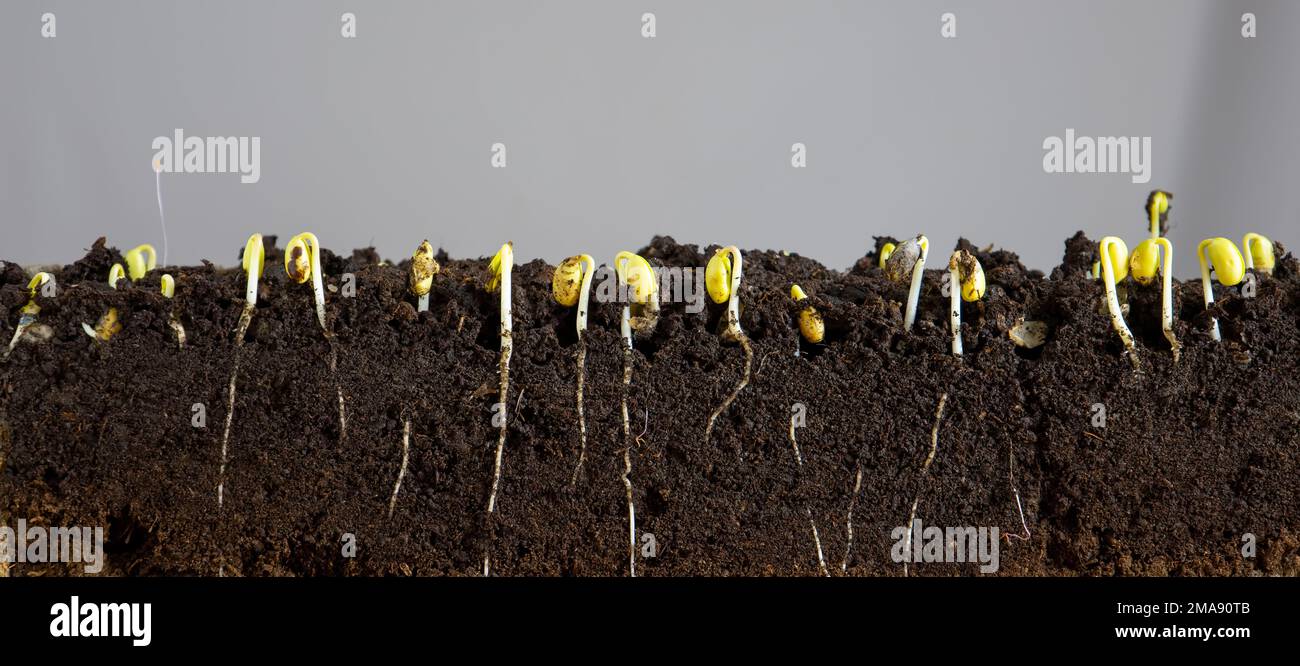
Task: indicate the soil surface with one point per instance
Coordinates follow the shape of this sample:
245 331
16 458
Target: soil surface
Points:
1193 460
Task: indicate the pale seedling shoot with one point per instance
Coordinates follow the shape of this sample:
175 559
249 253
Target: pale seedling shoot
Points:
1114 268
115 273
1159 205
907 261
634 274
1225 259
423 268
302 261
499 282
254 263
139 260
885 251
27 315
108 324
965 283
812 328
1145 265
722 281
167 286
570 286
1257 250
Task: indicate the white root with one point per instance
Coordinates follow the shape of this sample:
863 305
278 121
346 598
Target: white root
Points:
848 522
338 388
627 461
907 542
582 419
925 470
731 397
23 325
1011 474
817 542
406 451
244 318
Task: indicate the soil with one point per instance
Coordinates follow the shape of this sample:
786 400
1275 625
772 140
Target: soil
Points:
1193 455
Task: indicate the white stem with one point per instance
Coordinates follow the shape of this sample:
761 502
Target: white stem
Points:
507 262
954 287
1112 303
424 303
914 293
254 270
588 266
733 304
317 282
1167 290
1207 288
1167 296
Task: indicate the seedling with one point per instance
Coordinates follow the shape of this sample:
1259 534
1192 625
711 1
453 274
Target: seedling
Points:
811 325
168 288
722 280
908 261
1257 250
254 262
571 285
302 260
1114 268
27 315
115 273
423 268
499 281
886 250
1157 205
1229 266
1144 264
140 260
635 274
107 326
966 283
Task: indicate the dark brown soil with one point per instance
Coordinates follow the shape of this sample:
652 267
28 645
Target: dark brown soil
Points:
1194 455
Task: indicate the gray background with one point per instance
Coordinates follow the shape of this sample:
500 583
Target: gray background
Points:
385 138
